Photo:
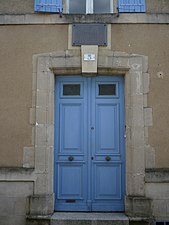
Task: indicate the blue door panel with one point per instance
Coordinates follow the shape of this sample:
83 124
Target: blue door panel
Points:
71 183
70 136
107 128
108 152
89 144
71 132
105 186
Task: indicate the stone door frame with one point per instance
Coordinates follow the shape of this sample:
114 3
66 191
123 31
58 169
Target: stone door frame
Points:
137 118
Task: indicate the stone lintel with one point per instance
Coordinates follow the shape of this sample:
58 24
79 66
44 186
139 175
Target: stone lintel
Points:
78 71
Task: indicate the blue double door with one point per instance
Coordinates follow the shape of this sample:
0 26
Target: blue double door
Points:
89 144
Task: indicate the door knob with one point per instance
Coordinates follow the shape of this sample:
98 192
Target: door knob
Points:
70 158
107 158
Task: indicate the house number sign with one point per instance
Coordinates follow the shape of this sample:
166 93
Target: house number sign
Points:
89 57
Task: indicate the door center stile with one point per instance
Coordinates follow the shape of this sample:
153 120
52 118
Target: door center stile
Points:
89 149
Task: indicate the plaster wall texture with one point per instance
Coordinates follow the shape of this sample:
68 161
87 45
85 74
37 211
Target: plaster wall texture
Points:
27 6
157 6
18 44
16 6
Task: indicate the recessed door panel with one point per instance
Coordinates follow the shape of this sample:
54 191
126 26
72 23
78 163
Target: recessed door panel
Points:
71 181
107 129
105 186
72 127
89 144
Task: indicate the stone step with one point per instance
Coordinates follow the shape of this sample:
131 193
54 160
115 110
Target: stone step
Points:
61 218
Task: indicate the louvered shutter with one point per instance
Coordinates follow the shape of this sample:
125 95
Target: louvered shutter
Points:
131 5
48 6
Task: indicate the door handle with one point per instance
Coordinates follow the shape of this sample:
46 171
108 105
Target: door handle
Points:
70 158
107 158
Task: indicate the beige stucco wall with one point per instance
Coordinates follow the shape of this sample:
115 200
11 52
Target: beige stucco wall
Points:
27 6
18 44
157 6
151 40
16 6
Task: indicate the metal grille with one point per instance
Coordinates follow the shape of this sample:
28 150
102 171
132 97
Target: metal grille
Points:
89 34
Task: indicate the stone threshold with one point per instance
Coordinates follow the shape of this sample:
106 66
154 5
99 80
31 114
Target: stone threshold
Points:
81 215
79 218
141 219
88 216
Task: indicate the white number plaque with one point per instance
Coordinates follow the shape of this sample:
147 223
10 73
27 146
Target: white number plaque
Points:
89 57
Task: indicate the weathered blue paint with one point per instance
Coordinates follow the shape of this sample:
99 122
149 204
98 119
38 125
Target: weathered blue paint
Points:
89 146
132 6
48 6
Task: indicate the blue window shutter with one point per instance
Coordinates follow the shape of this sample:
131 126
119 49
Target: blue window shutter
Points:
48 6
132 6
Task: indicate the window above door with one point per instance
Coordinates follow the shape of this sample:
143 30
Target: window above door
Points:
89 6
